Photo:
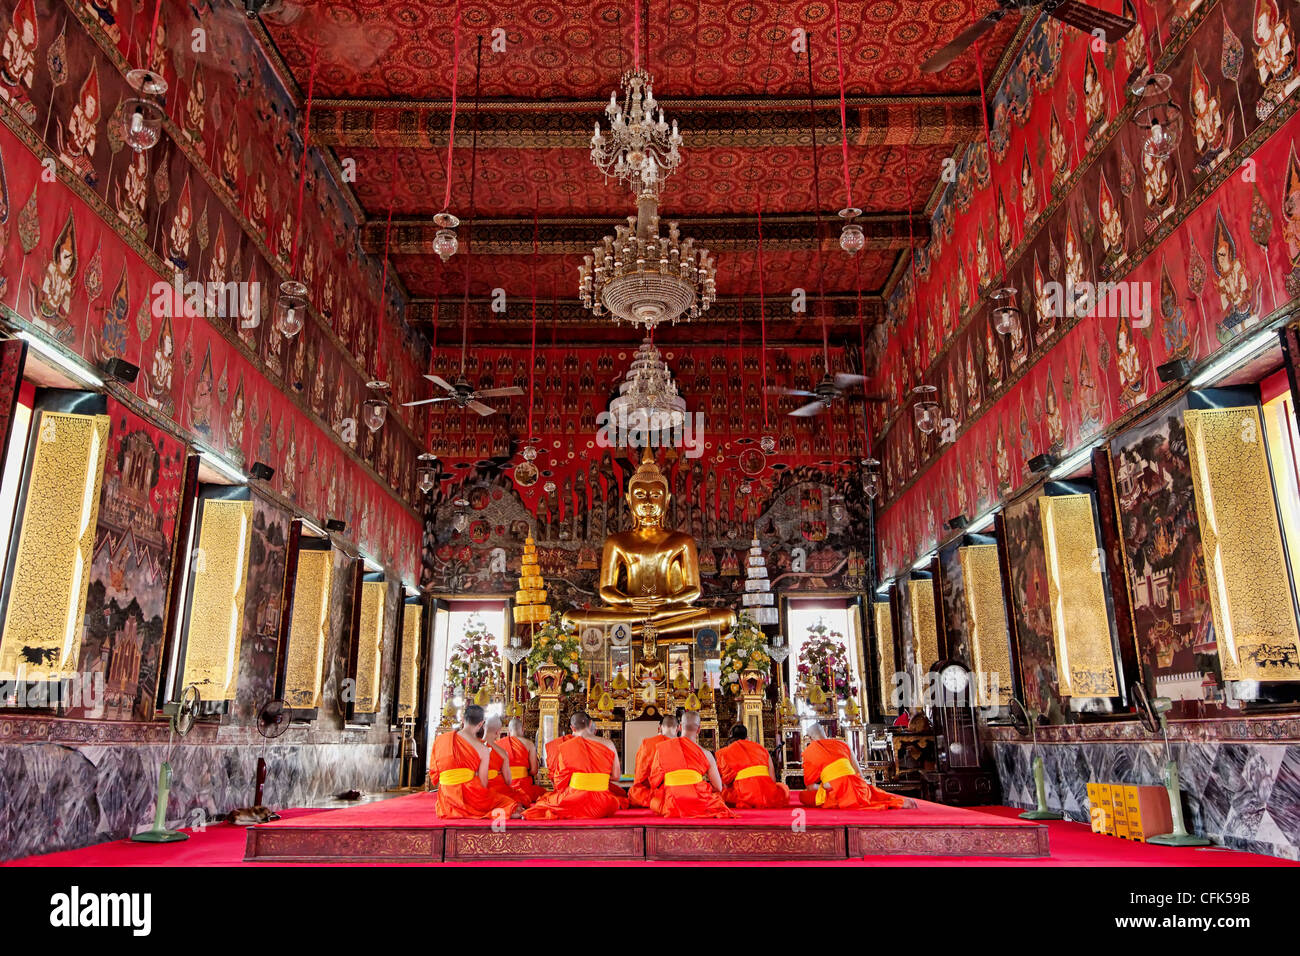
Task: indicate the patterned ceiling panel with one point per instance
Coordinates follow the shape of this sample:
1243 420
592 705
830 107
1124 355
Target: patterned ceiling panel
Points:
511 183
384 49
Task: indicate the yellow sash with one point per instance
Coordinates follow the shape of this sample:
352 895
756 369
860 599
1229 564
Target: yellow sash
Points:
594 782
758 770
518 773
450 778
682 778
493 774
833 771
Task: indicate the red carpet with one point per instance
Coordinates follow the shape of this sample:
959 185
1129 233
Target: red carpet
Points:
1072 844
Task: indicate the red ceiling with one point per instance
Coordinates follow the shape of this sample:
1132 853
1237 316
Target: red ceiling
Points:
511 183
380 49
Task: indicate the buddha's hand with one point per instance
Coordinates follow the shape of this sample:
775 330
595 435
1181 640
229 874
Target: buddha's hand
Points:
647 604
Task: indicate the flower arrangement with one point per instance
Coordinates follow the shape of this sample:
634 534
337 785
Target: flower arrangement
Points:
555 643
475 661
744 648
824 660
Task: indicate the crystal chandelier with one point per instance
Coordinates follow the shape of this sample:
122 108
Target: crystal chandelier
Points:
644 278
647 397
639 149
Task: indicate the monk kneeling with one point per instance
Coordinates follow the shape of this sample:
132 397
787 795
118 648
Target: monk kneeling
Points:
834 781
684 776
584 765
522 757
501 777
748 776
640 793
460 770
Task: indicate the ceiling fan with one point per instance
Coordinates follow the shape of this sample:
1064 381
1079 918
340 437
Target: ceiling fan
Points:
826 392
465 395
1073 12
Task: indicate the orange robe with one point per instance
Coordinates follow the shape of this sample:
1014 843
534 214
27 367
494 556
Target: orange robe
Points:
520 778
497 781
679 774
581 774
828 761
455 771
553 749
748 785
640 793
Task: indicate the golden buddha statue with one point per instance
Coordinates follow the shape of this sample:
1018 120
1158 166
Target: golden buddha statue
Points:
650 576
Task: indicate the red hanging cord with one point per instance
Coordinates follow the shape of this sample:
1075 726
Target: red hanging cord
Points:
988 139
302 166
844 119
817 201
455 78
636 34
911 233
532 353
762 312
383 281
1146 37
153 33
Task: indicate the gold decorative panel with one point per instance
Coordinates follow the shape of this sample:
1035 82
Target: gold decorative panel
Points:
925 629
1254 617
219 575
308 629
47 597
1085 659
370 638
885 654
986 616
409 672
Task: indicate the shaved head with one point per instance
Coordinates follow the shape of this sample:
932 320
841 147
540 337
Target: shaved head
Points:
815 732
493 724
691 721
668 724
516 727
580 720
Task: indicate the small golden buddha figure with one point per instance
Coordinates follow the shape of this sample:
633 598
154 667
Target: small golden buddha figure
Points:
648 574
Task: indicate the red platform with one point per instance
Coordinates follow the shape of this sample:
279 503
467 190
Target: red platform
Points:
407 829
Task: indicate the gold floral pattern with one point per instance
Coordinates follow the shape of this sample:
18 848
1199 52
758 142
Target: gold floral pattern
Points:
308 628
220 578
370 638
987 616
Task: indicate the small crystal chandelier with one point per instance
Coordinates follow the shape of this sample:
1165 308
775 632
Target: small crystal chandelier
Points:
871 477
291 308
647 398
852 239
640 149
427 474
445 242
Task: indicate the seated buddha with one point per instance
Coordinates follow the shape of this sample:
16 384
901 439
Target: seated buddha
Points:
648 574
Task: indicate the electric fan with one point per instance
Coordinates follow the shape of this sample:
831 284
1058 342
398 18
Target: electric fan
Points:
272 721
1026 724
181 720
1151 714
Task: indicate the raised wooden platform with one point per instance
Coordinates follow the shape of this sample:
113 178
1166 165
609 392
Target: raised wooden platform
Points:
406 829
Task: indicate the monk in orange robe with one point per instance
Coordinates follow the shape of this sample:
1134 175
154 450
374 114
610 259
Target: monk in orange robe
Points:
748 777
834 780
684 776
639 794
584 764
522 757
553 748
460 772
500 773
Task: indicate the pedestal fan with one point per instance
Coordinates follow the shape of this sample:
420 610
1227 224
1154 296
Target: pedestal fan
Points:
1151 714
1026 724
272 720
181 720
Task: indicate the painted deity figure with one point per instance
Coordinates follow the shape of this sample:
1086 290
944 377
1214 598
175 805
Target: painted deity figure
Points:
18 56
1074 273
1173 324
52 303
1275 58
1209 133
196 105
133 193
1232 283
1028 191
1089 397
992 361
79 146
1112 229
1132 376
230 163
1094 101
178 235
1055 425
1044 308
235 425
1059 151
973 400
201 398
160 370
1291 208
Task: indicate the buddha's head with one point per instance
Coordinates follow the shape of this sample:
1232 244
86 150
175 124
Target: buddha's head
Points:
647 493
